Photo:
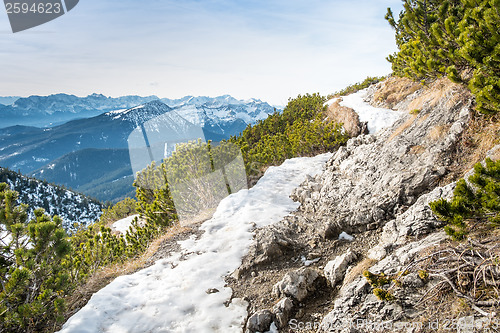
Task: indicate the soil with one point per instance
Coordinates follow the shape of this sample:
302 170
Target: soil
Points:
171 244
256 285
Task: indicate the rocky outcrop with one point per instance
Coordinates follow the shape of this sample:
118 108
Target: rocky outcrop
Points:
374 178
296 284
348 118
378 189
356 303
335 270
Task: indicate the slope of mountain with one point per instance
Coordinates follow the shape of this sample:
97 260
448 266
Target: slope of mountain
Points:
72 207
8 100
100 173
105 170
43 111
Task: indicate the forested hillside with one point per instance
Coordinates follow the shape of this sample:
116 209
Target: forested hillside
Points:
76 210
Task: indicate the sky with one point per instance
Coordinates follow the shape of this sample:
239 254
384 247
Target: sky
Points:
266 49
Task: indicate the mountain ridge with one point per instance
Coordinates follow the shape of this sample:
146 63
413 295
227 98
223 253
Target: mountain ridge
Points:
33 150
50 110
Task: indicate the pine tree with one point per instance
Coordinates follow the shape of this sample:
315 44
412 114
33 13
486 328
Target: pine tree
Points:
478 200
33 278
455 38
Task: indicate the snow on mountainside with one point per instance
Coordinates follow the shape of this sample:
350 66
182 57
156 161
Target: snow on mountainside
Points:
218 114
186 292
73 104
44 152
140 114
223 115
43 111
8 100
72 207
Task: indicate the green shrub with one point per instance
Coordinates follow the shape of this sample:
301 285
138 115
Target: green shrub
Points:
454 38
383 295
118 211
32 273
40 264
358 86
480 200
300 130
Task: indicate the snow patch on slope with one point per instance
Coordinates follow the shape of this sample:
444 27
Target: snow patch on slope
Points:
377 118
124 224
171 296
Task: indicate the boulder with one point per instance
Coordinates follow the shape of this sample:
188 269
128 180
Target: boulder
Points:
296 284
260 321
335 269
282 311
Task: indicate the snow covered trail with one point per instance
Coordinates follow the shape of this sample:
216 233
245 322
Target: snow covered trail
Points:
377 118
185 292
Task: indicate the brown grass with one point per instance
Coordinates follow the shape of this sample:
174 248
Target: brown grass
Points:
438 132
106 275
403 127
480 136
394 90
358 270
346 116
417 150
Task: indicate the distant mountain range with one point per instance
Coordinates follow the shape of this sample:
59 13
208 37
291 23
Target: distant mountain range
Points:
70 206
45 111
91 154
7 100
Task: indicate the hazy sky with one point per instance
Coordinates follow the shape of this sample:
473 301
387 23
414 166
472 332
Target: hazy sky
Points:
267 49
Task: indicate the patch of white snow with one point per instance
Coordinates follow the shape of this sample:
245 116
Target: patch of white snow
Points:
124 224
344 235
171 295
377 118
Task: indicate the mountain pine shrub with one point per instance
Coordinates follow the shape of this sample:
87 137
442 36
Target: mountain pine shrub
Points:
40 264
455 38
477 200
33 278
300 130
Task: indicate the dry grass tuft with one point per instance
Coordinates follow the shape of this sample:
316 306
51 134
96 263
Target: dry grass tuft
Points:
480 136
106 275
358 270
417 150
394 90
438 132
436 92
346 116
403 127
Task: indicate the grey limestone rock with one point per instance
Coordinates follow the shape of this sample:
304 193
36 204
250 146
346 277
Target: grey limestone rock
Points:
296 284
